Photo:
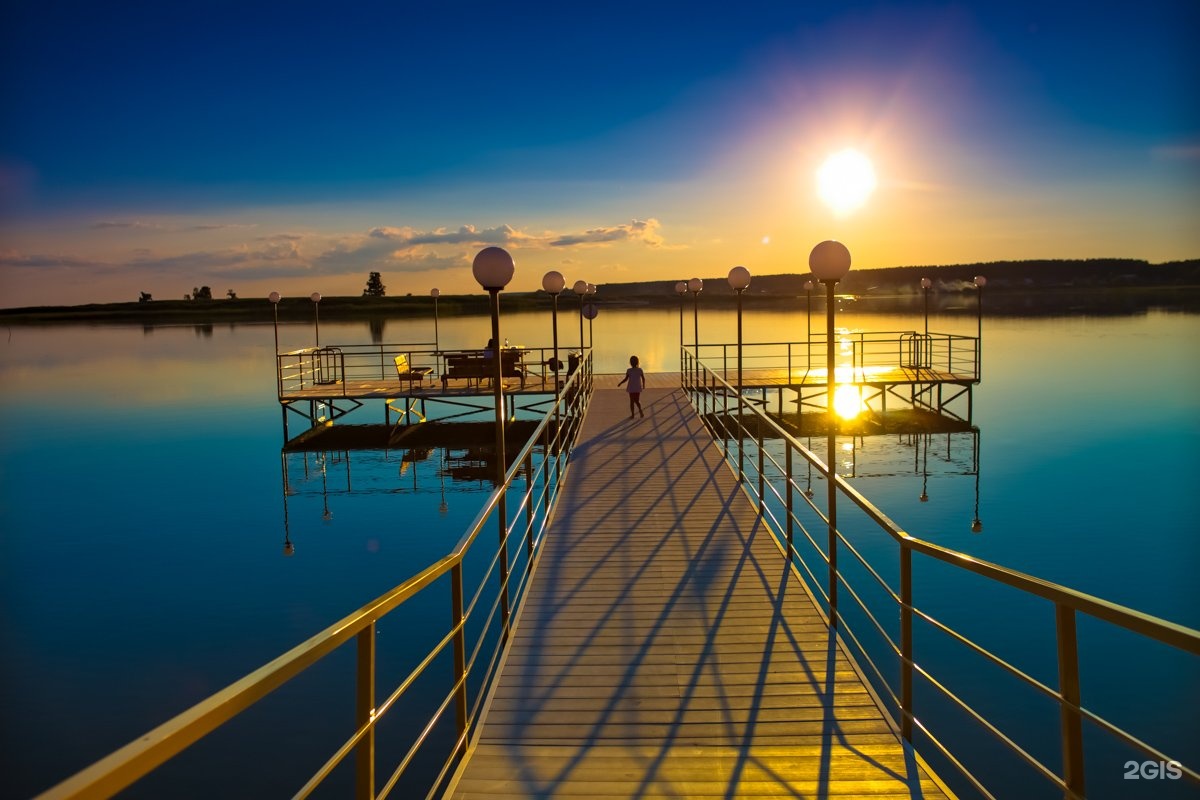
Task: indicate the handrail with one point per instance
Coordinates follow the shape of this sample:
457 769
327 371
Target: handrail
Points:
296 370
712 394
138 758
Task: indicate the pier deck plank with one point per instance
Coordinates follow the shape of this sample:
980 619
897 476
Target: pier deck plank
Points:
665 650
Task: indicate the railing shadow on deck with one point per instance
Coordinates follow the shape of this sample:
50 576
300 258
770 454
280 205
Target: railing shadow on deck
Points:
723 407
522 523
707 556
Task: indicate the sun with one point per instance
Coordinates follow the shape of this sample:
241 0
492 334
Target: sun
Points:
848 402
845 181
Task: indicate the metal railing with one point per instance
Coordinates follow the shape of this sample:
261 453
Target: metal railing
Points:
521 517
773 487
341 366
861 352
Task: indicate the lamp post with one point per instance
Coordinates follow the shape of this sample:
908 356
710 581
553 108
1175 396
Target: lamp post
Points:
275 297
553 282
435 294
808 287
316 301
980 282
580 288
925 284
739 281
681 290
493 268
695 286
591 292
829 262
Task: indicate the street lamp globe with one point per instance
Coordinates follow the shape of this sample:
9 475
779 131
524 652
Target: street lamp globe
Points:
580 287
553 282
681 288
695 285
808 286
435 293
315 297
739 278
926 283
591 288
274 297
980 281
829 261
493 268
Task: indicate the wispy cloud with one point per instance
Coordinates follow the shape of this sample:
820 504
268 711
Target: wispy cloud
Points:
1177 152
158 226
644 231
283 255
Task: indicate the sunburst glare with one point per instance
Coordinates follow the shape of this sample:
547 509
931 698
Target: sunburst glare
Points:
847 401
845 181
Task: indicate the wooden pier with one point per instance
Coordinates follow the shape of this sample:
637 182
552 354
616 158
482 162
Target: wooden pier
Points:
666 649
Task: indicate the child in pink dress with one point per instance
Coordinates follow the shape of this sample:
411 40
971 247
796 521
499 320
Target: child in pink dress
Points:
637 381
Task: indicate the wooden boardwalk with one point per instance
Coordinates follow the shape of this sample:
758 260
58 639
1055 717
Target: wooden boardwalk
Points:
665 650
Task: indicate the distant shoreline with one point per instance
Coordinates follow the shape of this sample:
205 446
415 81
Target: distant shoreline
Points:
1034 288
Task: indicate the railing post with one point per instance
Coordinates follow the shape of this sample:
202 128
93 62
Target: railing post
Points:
787 468
460 653
364 713
906 645
502 519
831 511
1068 687
546 460
529 507
762 488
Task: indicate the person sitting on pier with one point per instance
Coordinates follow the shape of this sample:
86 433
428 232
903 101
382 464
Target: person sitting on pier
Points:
637 380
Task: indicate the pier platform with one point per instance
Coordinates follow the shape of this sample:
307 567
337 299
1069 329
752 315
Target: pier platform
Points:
667 650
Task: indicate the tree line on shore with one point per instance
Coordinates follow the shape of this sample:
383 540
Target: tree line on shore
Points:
1011 285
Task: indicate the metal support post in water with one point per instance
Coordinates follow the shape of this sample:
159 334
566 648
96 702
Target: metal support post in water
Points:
364 713
906 685
1068 687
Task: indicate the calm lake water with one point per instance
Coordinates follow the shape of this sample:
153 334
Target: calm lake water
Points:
143 517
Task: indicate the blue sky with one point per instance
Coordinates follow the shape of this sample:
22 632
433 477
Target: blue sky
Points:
160 146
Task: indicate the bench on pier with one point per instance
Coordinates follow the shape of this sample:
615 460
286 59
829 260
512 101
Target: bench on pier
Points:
476 366
409 373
